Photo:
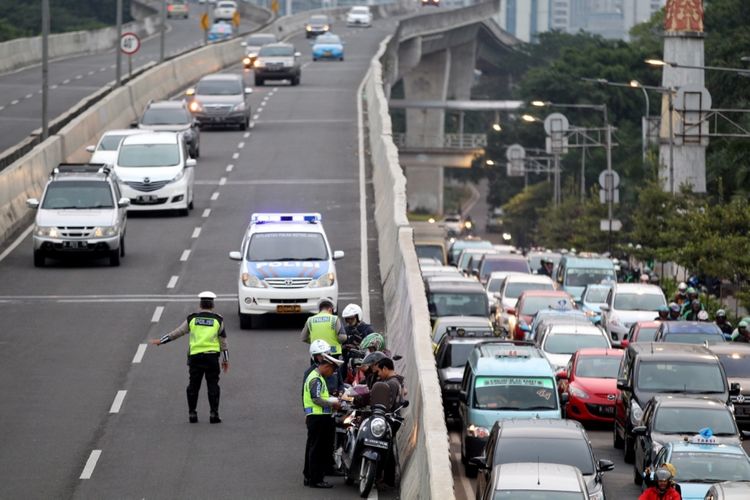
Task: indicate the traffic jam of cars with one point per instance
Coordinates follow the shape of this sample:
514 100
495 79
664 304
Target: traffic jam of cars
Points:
532 350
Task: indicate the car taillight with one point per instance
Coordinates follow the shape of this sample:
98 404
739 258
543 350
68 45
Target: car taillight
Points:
170 8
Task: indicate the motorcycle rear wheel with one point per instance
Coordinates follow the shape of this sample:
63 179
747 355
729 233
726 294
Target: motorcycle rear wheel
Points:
366 477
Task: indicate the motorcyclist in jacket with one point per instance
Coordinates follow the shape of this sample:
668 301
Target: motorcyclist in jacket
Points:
721 321
692 313
664 489
663 314
680 296
546 267
742 334
692 294
674 312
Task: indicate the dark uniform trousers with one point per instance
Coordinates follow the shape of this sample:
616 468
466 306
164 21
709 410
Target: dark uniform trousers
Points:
321 434
200 365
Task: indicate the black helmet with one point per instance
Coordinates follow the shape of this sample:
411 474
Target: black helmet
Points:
373 358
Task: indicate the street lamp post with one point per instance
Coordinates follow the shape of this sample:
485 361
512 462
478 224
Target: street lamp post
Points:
45 68
118 51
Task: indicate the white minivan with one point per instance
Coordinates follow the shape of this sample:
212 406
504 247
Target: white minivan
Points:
156 172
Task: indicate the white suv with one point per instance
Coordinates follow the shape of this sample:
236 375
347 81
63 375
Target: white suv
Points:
286 267
225 11
156 172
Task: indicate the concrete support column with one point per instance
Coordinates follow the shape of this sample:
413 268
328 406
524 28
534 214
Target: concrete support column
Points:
424 188
463 58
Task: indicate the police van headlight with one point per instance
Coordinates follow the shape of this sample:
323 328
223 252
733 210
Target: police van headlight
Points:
105 231
377 427
327 279
252 281
48 231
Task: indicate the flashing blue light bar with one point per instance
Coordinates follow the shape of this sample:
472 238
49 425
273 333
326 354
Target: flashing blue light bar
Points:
262 218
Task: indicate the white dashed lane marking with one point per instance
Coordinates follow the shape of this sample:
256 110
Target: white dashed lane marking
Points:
185 256
172 281
14 102
65 82
197 230
235 156
139 353
230 167
88 469
215 196
157 314
240 145
246 135
206 213
117 403
29 96
222 181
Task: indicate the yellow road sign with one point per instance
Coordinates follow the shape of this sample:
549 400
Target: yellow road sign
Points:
205 22
236 19
275 6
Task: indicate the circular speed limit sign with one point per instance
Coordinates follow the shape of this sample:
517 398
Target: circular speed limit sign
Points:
130 43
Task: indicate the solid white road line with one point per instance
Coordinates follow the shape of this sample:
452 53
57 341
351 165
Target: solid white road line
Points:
333 120
215 196
172 281
197 231
185 255
364 283
16 243
157 314
139 353
88 469
206 213
117 403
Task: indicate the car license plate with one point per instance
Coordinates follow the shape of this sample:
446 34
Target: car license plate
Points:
75 244
147 198
608 410
288 309
376 444
327 52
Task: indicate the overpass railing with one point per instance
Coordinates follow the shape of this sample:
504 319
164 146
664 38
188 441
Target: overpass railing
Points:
446 141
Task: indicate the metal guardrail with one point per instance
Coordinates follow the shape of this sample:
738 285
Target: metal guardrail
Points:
446 141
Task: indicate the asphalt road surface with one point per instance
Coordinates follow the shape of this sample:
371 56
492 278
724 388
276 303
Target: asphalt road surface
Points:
75 333
72 79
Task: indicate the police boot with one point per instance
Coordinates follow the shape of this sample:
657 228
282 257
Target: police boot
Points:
193 417
214 418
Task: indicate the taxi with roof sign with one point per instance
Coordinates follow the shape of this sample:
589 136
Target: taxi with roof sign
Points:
701 461
286 266
502 380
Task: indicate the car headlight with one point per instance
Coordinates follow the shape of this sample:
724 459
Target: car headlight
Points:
597 495
636 413
49 231
259 63
478 432
378 426
252 281
615 321
308 28
246 61
252 55
195 106
325 280
580 394
104 231
239 107
325 28
179 176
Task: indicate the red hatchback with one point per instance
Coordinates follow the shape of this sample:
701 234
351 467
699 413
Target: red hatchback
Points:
641 331
591 384
531 302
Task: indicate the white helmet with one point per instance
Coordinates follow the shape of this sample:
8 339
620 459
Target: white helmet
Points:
319 347
682 287
352 310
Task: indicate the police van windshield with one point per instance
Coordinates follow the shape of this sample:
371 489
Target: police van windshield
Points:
276 247
578 276
670 376
515 393
77 195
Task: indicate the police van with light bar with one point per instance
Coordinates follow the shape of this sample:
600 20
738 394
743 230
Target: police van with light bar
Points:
287 266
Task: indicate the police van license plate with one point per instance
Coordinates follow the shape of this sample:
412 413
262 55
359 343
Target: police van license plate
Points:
288 309
376 444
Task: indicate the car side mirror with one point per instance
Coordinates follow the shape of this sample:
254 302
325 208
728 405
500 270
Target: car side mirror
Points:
235 255
248 90
32 203
639 430
134 124
622 384
604 307
338 254
562 375
462 396
735 388
744 434
479 462
298 54
90 149
605 465
190 162
123 202
624 343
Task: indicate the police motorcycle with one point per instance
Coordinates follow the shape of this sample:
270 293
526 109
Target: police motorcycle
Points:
370 440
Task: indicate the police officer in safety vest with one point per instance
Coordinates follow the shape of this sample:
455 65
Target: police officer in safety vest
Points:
321 428
325 326
207 340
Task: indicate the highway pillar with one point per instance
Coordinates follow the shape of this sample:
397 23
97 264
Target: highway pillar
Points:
463 60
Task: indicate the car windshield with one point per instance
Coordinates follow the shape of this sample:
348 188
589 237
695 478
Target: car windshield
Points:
568 343
261 39
692 420
360 10
515 393
532 305
78 195
457 304
226 5
460 245
736 365
512 265
709 468
579 276
219 87
513 290
110 142
328 39
536 495
276 51
672 376
166 116
598 366
493 285
596 295
458 354
318 20
149 155
429 251
575 452
279 247
639 301
646 334
693 338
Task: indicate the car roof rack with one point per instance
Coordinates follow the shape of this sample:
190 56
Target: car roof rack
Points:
81 168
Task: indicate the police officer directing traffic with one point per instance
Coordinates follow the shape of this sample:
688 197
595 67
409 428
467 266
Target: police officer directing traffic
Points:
207 339
325 326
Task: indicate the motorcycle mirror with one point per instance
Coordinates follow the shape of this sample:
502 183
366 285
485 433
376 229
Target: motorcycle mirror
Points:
397 357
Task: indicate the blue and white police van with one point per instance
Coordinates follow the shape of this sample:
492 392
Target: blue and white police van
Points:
286 266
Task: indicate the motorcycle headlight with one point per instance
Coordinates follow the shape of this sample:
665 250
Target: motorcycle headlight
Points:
580 394
378 427
240 107
195 106
252 281
49 231
479 432
104 231
246 61
636 413
324 281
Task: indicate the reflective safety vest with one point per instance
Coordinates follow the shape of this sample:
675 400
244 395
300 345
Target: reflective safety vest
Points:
310 407
322 326
204 332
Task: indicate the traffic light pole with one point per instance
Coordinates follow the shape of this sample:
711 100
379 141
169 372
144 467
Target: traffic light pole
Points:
118 51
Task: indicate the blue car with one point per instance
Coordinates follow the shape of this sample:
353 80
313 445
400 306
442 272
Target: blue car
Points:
328 46
220 31
592 298
700 463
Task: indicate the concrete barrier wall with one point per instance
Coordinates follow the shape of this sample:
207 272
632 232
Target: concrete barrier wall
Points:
423 441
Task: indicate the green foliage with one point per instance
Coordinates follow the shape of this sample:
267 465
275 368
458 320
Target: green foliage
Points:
522 213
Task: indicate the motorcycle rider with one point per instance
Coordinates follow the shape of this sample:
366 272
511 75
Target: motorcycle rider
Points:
674 311
664 489
692 294
663 314
692 313
356 328
546 267
742 333
721 321
374 342
680 296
